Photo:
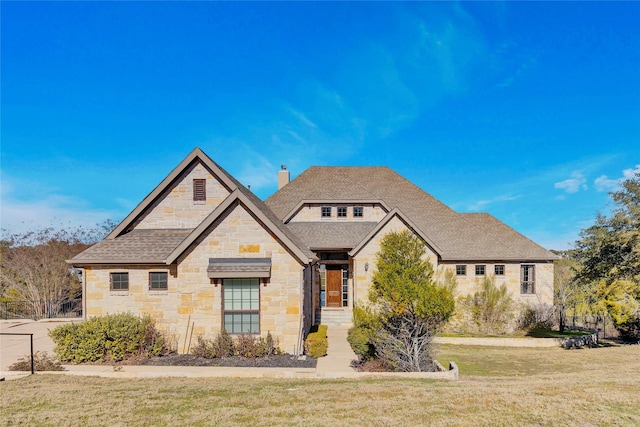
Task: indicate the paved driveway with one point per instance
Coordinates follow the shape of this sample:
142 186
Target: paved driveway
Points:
14 347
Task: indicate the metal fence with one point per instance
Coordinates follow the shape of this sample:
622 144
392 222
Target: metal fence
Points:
45 309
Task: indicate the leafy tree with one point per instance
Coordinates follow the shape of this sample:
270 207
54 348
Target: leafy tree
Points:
33 267
609 256
410 305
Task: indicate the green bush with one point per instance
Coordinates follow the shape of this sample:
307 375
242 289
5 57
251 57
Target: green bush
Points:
360 343
316 344
110 338
360 336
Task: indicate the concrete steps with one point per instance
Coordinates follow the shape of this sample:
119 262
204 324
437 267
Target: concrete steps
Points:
334 317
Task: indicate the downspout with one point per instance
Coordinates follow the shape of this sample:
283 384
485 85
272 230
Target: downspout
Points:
84 293
298 351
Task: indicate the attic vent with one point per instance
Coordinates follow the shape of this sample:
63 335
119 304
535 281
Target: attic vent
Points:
199 190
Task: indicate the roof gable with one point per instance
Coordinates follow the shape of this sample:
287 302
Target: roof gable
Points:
289 241
197 155
126 245
453 235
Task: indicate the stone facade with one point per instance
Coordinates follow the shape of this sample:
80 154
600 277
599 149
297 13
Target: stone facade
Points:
177 209
468 283
192 299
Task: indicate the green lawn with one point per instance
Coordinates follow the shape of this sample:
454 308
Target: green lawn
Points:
497 387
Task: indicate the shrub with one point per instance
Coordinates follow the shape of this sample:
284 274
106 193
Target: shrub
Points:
536 317
110 338
224 345
360 336
490 307
41 362
316 344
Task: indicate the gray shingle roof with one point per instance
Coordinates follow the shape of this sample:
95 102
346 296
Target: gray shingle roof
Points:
459 236
331 235
135 247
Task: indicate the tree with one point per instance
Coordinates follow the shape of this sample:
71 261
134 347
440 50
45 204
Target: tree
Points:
609 257
33 267
410 305
565 290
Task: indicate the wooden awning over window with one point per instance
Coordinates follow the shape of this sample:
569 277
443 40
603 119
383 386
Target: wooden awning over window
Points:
226 268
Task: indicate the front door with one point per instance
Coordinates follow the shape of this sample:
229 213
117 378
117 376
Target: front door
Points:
334 287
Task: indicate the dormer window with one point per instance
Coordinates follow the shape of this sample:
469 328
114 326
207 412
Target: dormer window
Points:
326 211
342 211
357 211
199 190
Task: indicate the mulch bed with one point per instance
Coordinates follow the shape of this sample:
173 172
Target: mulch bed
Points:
280 361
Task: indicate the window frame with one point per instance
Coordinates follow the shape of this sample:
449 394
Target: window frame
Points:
341 211
199 190
226 311
151 280
325 212
502 269
482 268
111 281
358 212
461 270
527 287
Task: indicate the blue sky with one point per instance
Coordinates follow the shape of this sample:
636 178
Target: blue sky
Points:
528 111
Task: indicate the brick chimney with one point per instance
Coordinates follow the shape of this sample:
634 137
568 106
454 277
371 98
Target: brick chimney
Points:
283 177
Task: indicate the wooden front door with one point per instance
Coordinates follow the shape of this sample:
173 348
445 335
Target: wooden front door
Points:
334 288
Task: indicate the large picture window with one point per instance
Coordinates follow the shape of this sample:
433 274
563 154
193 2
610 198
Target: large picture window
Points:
241 305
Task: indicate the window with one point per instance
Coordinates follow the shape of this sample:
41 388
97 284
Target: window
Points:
119 281
499 270
357 212
199 190
158 281
479 270
326 212
241 305
527 279
342 211
461 270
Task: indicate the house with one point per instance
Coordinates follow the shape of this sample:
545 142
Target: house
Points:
201 252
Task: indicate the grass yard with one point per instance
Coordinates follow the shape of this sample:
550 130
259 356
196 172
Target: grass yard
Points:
497 387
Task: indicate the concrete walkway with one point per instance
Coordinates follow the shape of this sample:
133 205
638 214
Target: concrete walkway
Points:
337 362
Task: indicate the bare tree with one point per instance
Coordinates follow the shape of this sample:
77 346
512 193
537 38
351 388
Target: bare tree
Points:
33 268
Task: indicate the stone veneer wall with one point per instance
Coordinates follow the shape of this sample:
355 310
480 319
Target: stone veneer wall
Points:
177 209
191 298
467 284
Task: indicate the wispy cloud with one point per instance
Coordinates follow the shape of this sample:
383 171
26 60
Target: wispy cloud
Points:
573 184
604 183
482 204
304 119
51 211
